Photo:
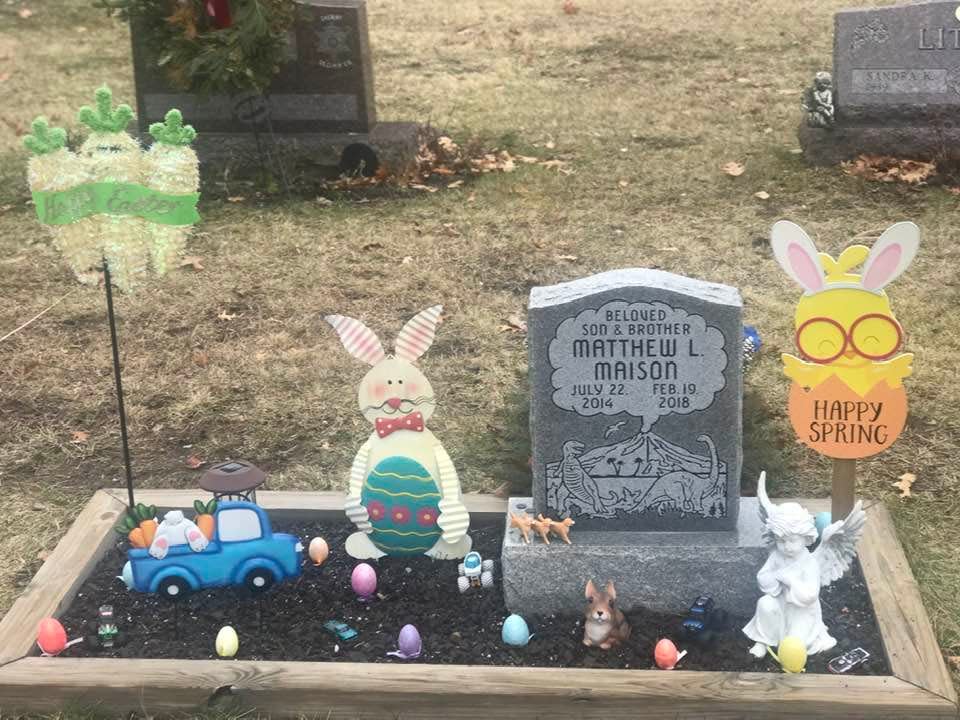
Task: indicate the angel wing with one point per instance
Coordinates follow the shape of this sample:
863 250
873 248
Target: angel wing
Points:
838 545
765 507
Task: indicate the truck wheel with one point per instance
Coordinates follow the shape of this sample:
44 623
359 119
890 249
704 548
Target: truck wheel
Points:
461 570
486 579
173 588
487 565
463 583
258 580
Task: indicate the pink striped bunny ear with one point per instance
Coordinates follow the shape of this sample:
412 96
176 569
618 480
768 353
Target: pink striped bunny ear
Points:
417 335
359 340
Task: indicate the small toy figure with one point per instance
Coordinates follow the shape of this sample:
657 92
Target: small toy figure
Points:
409 644
523 523
474 572
404 493
227 642
818 101
363 580
792 576
666 655
751 345
107 629
605 626
848 661
702 618
542 526
340 630
560 528
177 530
515 632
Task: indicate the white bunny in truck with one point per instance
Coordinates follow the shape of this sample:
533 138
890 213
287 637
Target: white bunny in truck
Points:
404 493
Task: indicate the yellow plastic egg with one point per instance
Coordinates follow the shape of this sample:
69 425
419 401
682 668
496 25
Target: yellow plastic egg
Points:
793 654
227 642
318 550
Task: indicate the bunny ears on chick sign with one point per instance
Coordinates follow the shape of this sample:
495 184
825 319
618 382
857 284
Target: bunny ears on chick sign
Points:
847 400
404 493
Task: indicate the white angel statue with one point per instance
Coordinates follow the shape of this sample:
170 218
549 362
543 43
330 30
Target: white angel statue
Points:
792 576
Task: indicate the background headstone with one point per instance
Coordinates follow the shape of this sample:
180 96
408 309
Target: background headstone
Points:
896 84
636 401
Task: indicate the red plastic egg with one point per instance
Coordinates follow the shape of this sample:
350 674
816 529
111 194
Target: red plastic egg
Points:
51 637
665 654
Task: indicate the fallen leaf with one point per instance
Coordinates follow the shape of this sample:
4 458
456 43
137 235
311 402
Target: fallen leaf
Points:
570 7
79 436
427 188
236 198
623 183
25 13
529 160
514 323
763 195
193 462
904 484
43 555
200 358
443 170
224 315
885 168
503 491
568 258
733 169
407 260
550 145
194 261
472 197
455 184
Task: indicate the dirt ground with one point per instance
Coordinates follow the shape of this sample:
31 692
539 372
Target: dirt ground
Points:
644 102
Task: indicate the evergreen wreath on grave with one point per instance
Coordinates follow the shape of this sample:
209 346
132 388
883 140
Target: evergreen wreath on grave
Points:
212 46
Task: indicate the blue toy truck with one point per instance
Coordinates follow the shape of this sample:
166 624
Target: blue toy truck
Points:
242 551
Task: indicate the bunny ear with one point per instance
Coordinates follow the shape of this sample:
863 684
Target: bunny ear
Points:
417 335
611 590
797 255
890 255
359 340
590 590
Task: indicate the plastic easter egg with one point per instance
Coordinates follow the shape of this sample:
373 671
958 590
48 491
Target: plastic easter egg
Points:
793 654
409 643
126 575
821 520
319 551
51 637
227 642
364 581
665 654
515 631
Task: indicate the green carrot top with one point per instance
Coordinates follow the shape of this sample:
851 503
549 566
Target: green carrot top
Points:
104 119
172 131
45 139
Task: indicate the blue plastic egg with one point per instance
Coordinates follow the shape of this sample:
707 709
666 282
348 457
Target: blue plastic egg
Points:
515 631
821 520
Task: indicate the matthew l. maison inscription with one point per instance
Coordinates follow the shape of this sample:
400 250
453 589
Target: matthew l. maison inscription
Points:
635 406
644 359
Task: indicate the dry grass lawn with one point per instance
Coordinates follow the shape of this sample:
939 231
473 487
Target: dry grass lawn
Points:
645 100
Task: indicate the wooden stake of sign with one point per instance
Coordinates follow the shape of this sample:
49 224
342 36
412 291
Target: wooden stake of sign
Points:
844 492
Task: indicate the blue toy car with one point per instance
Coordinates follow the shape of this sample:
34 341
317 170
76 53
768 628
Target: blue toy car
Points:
242 551
698 616
341 630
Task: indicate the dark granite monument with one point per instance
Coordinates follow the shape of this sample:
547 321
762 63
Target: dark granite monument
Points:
895 85
320 106
635 418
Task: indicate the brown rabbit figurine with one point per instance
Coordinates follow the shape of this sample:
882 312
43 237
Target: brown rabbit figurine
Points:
605 624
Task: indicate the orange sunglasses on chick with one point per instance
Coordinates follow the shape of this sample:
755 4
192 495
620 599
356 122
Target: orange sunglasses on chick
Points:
849 340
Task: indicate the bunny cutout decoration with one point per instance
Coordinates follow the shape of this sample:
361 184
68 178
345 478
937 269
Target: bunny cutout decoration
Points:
404 493
847 399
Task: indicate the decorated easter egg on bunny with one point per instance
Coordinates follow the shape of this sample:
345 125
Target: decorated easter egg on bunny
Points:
404 492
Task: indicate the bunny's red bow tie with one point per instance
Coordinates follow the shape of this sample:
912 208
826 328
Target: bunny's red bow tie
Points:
413 421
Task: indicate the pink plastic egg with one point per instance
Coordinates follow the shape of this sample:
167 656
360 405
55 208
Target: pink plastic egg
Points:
318 551
51 637
364 581
665 654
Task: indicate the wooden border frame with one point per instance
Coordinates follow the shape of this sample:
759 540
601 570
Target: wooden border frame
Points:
919 688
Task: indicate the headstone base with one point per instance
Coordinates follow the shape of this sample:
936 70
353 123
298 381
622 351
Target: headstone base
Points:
845 142
394 145
658 570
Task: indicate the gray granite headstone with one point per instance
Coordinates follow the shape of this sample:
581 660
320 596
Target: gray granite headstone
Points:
326 85
636 402
896 85
897 62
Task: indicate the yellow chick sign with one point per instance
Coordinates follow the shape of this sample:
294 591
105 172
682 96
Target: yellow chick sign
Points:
847 399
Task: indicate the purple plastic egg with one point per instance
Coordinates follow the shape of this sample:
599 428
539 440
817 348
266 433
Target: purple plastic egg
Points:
364 581
409 643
